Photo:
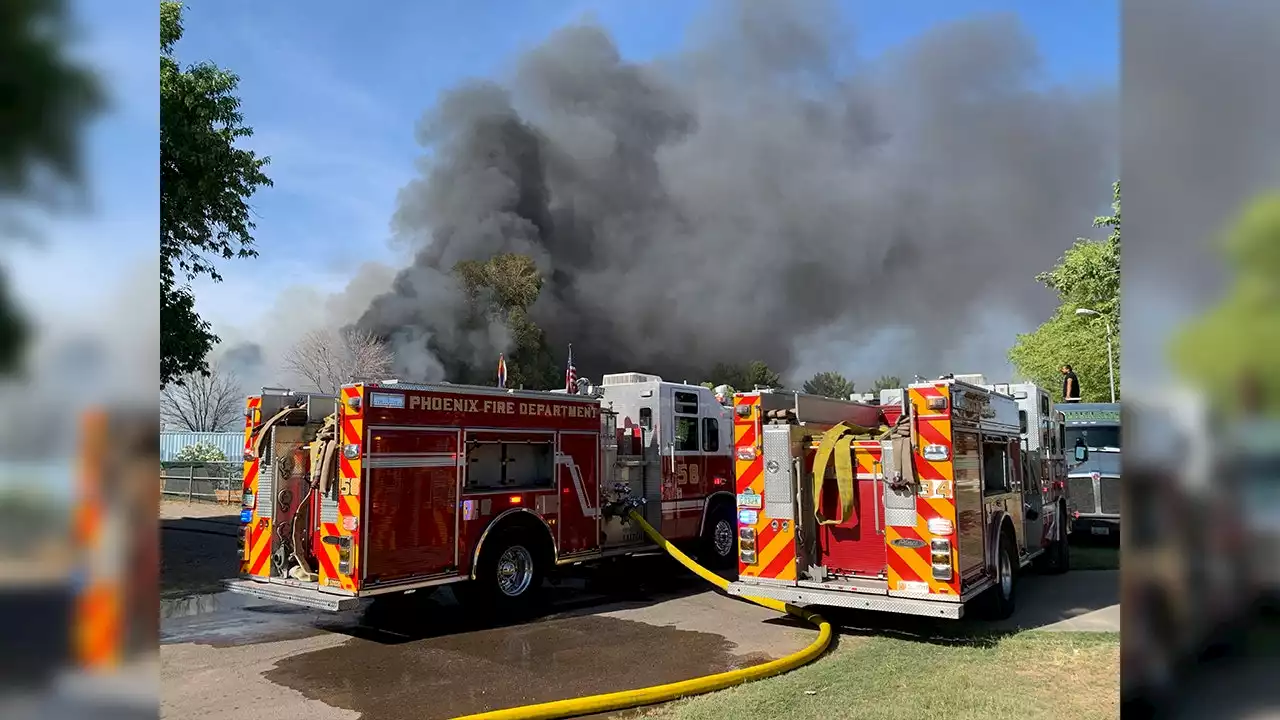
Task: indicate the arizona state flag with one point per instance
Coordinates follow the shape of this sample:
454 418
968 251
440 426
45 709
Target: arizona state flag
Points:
502 371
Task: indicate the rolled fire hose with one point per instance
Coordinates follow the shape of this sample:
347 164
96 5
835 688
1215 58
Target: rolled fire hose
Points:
837 441
624 699
263 431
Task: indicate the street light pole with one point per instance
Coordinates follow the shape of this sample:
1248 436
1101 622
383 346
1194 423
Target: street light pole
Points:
1111 363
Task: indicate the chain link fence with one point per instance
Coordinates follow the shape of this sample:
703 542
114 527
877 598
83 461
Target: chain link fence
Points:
218 482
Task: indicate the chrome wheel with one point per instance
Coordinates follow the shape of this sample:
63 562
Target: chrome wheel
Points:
515 571
1006 575
722 538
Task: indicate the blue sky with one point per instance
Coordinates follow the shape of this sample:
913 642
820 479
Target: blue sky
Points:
333 90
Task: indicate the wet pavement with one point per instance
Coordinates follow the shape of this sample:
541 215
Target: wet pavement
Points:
457 674
627 624
197 553
228 656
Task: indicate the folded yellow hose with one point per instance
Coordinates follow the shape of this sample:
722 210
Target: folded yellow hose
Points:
623 699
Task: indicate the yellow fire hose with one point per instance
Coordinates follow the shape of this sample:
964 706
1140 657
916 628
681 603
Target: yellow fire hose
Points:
623 699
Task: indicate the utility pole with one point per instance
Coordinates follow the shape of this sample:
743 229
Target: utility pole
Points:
1111 363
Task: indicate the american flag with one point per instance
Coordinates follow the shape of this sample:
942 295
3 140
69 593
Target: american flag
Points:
571 374
502 371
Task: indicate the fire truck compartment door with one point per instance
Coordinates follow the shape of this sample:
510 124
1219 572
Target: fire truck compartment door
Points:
411 511
1032 499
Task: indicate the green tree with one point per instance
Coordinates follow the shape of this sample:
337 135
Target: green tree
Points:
205 184
503 289
745 377
886 382
829 384
1232 347
1086 277
48 101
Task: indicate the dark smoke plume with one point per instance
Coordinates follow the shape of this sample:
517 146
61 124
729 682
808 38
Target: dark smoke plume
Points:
751 192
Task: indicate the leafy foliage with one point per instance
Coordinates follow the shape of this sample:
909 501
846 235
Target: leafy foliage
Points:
829 384
502 290
745 377
48 100
201 452
1087 276
886 382
1230 350
205 183
47 103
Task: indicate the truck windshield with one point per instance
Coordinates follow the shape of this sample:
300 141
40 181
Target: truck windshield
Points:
1095 437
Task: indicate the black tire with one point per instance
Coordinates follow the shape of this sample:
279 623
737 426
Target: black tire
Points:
510 573
1001 600
719 542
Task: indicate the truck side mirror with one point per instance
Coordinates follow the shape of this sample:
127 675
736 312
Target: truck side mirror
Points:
1082 453
1022 421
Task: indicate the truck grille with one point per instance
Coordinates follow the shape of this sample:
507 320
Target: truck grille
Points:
1110 495
1080 491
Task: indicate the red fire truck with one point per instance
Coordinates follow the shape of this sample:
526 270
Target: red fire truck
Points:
938 494
395 487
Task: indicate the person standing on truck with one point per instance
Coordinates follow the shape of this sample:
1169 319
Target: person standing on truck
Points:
1070 385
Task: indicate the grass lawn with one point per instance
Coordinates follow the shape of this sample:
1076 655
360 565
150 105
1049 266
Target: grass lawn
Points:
1056 675
1051 675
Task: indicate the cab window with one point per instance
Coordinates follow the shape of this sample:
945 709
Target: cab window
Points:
710 435
686 439
646 418
686 403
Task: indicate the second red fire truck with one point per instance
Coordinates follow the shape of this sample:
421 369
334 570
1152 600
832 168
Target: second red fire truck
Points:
934 497
395 487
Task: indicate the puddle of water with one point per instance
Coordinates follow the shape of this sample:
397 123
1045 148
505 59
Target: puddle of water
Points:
202 604
226 619
446 676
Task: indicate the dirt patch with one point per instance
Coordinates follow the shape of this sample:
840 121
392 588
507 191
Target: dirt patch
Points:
171 509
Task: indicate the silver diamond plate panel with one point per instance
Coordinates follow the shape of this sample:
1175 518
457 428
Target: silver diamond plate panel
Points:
266 500
779 486
899 505
853 600
328 509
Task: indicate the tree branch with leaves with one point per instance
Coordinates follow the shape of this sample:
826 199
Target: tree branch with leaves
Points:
49 99
1087 276
1230 349
886 382
829 384
502 290
205 184
745 377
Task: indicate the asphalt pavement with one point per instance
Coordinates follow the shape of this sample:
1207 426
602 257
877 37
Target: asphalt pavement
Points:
627 624
230 657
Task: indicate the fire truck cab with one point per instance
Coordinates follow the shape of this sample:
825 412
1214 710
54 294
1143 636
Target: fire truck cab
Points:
939 494
394 487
